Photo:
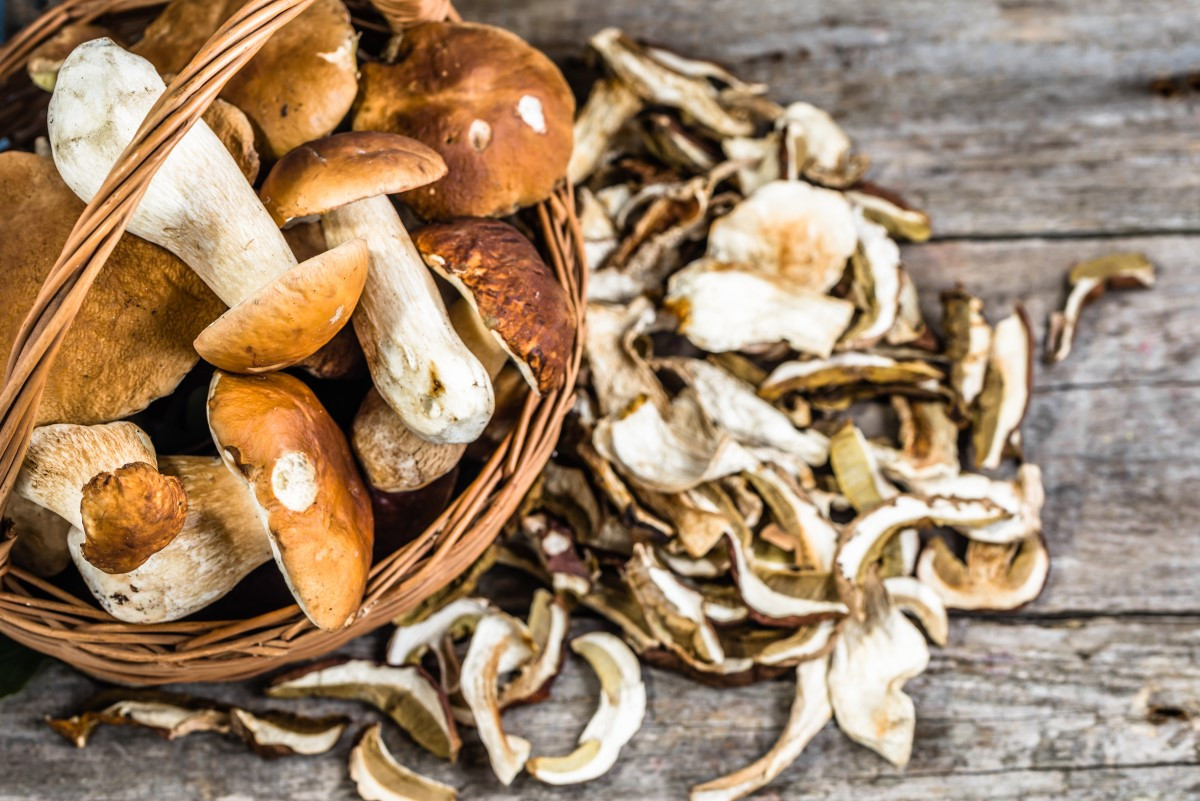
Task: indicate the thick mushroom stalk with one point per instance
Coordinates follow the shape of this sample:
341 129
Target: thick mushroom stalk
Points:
104 481
200 207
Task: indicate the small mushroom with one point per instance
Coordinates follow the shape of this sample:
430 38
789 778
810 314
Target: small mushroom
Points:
618 717
379 777
200 208
817 148
814 538
273 433
499 645
722 307
104 480
993 578
418 363
619 376
674 612
504 133
405 693
299 85
169 715
394 458
791 229
1021 498
515 295
1006 391
928 444
401 14
890 211
1089 280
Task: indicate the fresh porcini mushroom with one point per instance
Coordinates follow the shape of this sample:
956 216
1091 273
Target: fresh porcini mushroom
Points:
609 106
104 480
993 577
273 433
968 343
401 14
889 210
499 644
200 207
877 278
770 605
810 712
298 86
870 663
405 693
131 341
921 600
514 294
844 369
617 718
41 538
222 540
394 458
504 133
47 58
419 365
379 777
1006 391
791 229
1089 280
548 624
722 307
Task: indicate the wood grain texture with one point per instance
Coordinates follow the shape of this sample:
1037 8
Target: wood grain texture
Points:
1029 132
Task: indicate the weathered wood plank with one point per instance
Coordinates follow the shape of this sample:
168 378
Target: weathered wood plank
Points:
1056 709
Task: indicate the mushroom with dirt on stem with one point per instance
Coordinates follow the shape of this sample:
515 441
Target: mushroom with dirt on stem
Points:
419 365
200 207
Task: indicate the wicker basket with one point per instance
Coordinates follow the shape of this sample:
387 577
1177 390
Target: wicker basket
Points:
51 620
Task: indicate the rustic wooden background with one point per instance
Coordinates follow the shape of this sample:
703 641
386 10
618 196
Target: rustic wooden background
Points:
1034 134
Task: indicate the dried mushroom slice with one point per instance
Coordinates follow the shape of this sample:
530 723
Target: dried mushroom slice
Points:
759 160
805 644
169 715
673 611
699 523
877 283
928 444
656 80
548 624
791 229
922 602
910 327
556 551
968 343
609 106
617 718
1021 498
890 211
499 645
724 307
813 536
600 236
817 148
1006 390
1089 281
618 494
871 661
770 605
615 602
994 577
856 469
733 405
405 693
410 640
379 777
811 710
276 734
672 144
618 375
842 370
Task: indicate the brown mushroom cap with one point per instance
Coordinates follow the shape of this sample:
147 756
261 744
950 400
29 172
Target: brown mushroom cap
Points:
132 340
396 459
298 87
498 110
129 515
515 294
327 173
291 317
272 431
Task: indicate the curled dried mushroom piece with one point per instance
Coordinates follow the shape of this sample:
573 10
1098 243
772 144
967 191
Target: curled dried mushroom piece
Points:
994 577
1006 390
379 777
499 645
1088 281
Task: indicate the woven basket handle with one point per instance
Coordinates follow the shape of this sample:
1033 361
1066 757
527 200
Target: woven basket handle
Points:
103 222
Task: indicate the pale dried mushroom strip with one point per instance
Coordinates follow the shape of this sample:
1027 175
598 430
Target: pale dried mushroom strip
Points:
811 710
617 718
618 376
276 734
499 645
410 640
910 327
554 545
1089 280
771 605
842 370
723 307
993 578
379 777
891 212
610 105
814 537
1021 498
817 148
548 624
1006 390
169 715
877 279
968 343
674 612
929 444
922 601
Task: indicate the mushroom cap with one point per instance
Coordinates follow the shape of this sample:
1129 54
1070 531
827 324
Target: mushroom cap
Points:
298 87
327 173
129 515
290 318
394 458
498 110
499 272
272 431
132 339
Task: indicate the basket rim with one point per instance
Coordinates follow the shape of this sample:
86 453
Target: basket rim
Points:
40 615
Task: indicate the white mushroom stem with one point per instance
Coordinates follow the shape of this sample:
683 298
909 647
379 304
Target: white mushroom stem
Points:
222 540
419 364
63 457
199 205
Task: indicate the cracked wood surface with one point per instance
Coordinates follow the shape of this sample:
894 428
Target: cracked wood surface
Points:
1030 133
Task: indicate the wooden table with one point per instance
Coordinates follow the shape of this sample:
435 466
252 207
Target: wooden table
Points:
1031 133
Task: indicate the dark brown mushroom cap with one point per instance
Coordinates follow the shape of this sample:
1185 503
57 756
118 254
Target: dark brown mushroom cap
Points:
129 515
272 430
298 87
132 340
327 173
498 110
515 294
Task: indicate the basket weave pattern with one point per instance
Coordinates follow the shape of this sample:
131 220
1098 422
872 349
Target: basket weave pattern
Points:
37 613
